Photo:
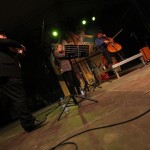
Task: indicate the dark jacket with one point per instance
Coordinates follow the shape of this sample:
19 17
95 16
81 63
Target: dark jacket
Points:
9 65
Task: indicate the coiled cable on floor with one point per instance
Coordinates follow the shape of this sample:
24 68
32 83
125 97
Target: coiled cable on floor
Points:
102 127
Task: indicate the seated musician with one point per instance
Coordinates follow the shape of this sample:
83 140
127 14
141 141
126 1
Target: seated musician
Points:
101 45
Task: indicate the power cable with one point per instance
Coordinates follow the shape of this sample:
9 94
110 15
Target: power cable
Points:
71 143
102 127
106 126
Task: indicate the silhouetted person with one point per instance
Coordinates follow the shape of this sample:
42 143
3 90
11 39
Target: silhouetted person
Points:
11 83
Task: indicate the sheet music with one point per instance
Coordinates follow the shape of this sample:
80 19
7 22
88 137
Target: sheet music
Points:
76 51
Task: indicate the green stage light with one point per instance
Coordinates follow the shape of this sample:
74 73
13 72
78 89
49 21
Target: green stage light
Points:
55 33
84 22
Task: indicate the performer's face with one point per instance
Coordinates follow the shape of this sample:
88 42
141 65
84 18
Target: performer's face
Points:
59 48
99 35
3 36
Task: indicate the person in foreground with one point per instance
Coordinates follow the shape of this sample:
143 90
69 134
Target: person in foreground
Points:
11 82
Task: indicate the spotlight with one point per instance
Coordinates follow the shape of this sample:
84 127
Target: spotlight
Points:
93 18
84 22
54 33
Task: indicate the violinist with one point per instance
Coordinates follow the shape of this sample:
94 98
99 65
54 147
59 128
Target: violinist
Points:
11 83
101 45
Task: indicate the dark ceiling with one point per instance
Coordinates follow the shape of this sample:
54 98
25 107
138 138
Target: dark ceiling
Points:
26 20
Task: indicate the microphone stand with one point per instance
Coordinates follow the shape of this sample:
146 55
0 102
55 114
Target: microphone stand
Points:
42 33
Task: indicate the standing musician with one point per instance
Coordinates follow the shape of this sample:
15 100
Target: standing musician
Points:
68 73
101 45
11 83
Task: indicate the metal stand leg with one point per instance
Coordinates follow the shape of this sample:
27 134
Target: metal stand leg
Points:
67 104
83 98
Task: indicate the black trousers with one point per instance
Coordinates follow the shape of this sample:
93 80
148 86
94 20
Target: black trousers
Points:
72 82
106 55
13 89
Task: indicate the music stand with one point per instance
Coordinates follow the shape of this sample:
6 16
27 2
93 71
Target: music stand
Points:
68 104
78 51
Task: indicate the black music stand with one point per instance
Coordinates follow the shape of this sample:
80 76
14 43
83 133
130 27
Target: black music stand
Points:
68 104
78 51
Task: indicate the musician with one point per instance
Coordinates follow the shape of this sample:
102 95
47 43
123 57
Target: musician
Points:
11 83
101 45
67 71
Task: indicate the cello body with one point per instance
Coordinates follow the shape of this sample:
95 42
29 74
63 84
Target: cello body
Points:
111 45
114 47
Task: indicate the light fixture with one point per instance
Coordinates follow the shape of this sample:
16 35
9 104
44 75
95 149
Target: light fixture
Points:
54 33
84 22
93 18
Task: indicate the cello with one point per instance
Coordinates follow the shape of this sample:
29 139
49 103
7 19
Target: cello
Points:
111 45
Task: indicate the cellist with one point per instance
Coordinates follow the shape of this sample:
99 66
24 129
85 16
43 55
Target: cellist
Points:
101 45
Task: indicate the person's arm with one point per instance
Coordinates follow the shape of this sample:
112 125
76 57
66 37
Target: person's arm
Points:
13 45
60 55
10 43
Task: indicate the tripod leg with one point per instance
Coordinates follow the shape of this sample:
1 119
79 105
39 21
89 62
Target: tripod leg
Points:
61 113
85 98
74 100
66 105
95 85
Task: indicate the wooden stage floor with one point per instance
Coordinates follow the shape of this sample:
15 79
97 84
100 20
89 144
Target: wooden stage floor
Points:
119 121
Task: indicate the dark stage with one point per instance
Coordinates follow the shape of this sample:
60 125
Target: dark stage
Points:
120 119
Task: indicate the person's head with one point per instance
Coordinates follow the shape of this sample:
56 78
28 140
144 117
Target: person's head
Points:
60 48
99 33
2 34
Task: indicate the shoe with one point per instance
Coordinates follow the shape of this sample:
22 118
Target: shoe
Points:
37 124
